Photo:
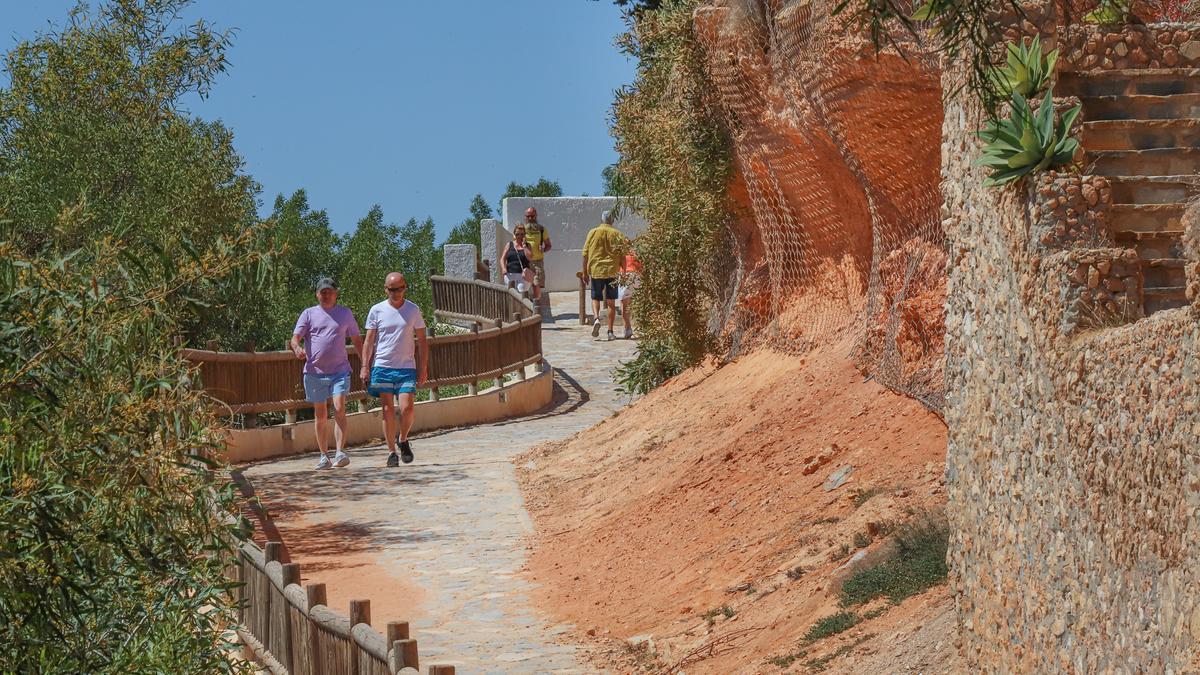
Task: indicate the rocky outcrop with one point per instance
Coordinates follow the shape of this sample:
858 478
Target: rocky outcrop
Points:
836 158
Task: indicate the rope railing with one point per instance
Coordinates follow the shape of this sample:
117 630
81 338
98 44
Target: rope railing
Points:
505 337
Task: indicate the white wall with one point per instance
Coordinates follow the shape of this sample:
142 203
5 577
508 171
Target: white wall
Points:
568 220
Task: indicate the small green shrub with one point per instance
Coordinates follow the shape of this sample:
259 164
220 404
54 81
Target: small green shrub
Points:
796 573
918 563
862 540
832 625
1027 70
1026 141
656 362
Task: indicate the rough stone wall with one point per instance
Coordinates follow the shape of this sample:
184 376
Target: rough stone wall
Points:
1134 46
1072 470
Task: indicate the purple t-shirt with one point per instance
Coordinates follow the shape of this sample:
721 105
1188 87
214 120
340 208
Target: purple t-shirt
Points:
325 332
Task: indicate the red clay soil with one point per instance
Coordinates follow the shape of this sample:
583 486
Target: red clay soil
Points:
679 518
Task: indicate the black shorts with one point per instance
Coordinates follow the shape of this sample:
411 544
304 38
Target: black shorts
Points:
604 289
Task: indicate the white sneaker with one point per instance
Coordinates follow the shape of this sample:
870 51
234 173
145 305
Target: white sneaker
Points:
596 327
341 459
323 463
610 336
628 333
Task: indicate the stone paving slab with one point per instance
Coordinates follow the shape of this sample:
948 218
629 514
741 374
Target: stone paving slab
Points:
453 524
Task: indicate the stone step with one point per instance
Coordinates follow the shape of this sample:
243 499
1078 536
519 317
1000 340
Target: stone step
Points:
1154 189
1157 162
1160 272
1151 245
1147 217
1148 82
1156 299
1141 107
1140 134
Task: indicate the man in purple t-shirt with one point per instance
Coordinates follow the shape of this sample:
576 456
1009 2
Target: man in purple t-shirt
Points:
323 329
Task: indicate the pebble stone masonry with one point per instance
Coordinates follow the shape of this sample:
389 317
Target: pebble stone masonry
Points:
1072 472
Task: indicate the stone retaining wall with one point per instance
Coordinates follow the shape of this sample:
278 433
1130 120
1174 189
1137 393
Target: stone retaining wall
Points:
1072 467
1088 47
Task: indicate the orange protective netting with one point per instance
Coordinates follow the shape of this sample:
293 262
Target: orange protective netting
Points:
837 151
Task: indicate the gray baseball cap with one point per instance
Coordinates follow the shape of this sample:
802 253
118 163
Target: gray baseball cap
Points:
326 282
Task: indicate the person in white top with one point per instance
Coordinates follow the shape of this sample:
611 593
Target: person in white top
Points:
395 362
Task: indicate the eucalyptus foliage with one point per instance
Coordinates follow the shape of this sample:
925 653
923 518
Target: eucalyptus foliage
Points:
1027 69
92 119
110 549
675 161
1027 141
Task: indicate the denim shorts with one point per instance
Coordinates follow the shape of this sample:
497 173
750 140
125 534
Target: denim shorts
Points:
392 381
319 388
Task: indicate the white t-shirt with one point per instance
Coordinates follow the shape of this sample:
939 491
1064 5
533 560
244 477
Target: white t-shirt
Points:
394 345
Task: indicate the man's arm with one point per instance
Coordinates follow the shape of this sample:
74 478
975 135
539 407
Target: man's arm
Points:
297 349
422 357
357 341
367 353
545 240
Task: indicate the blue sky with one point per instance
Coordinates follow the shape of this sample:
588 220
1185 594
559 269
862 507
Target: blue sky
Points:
412 104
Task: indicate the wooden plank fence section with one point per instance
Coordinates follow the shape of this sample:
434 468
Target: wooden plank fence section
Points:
290 630
506 336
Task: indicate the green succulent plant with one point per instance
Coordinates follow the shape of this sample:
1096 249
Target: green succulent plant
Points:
1027 141
1026 71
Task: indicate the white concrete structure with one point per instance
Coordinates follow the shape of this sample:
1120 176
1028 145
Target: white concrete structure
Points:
568 220
492 237
459 260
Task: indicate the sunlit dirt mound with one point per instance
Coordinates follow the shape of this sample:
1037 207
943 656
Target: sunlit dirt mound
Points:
702 522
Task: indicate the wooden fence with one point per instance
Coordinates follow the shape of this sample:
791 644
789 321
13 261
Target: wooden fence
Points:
506 336
290 629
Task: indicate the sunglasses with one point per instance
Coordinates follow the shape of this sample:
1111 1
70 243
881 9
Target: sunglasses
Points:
396 289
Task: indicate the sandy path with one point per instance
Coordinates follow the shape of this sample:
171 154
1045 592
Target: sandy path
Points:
440 543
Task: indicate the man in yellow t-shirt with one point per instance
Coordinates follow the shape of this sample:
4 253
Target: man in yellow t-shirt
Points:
539 240
602 254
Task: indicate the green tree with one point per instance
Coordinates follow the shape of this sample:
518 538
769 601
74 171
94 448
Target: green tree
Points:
467 232
91 120
676 157
542 188
309 250
368 256
124 223
419 257
614 182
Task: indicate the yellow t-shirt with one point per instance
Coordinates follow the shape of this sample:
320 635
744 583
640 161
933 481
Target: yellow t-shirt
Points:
534 234
604 248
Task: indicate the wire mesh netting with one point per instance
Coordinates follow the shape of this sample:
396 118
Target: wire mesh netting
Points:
837 151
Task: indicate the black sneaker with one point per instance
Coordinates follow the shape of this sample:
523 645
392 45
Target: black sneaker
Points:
393 460
406 453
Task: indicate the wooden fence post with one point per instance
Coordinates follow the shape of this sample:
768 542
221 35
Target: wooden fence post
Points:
407 649
315 593
291 575
360 612
441 670
273 552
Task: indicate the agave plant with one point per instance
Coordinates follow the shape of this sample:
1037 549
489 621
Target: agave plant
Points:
1027 141
1109 12
1027 70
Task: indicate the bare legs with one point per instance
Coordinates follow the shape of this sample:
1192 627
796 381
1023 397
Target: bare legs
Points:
321 415
407 415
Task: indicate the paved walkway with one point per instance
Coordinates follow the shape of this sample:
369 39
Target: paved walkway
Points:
449 531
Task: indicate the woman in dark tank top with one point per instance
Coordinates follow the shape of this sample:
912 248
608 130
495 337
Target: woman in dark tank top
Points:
516 260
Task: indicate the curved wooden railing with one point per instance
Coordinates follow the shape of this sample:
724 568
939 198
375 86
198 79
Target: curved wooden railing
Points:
290 629
505 337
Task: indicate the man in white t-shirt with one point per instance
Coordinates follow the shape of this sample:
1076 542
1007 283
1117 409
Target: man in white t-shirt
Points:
398 362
